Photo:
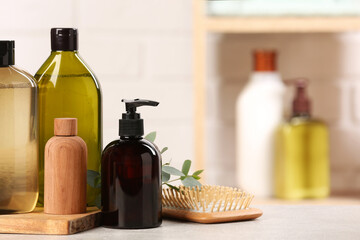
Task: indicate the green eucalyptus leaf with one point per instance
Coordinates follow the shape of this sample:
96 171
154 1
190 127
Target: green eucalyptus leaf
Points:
173 187
91 176
151 137
182 178
166 164
172 171
196 177
186 167
97 182
198 172
98 201
165 176
190 182
164 150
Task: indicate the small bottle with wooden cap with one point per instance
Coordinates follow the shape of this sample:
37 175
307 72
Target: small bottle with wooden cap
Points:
65 170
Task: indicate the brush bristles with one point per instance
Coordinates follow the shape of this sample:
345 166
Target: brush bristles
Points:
206 199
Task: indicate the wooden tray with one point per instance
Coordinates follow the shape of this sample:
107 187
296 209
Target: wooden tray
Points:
37 222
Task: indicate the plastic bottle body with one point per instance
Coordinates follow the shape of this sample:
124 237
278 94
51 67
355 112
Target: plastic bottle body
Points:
302 160
131 184
259 112
18 141
67 88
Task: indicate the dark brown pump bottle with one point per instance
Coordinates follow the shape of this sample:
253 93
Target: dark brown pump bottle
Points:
131 175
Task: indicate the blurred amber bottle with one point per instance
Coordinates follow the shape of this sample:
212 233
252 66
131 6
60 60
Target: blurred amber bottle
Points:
302 161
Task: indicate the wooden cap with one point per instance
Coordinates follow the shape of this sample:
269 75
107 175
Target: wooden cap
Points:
65 126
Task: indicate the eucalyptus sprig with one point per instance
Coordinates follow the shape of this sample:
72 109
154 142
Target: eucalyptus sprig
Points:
188 180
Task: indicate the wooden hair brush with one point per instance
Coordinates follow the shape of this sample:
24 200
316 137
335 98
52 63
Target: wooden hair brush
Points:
208 204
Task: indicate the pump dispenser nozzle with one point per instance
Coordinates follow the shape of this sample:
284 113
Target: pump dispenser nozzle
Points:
301 103
131 125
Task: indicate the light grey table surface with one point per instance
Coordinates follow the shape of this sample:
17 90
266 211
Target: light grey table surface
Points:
277 222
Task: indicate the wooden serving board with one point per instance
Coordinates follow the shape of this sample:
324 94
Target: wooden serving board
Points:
37 222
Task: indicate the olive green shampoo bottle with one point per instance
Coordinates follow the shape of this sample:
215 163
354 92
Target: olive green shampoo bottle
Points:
302 160
68 89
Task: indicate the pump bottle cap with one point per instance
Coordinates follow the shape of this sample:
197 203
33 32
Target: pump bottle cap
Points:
7 53
301 102
131 125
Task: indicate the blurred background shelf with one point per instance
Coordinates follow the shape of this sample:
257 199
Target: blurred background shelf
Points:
280 24
204 24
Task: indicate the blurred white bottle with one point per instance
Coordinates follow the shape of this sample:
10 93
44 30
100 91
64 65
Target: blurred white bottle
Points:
259 112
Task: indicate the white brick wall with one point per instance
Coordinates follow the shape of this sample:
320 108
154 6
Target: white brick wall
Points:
136 49
143 49
135 16
34 16
111 54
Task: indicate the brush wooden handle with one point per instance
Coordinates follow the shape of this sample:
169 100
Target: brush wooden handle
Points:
65 175
213 217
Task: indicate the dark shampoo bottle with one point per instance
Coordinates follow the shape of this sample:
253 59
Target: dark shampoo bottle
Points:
131 175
